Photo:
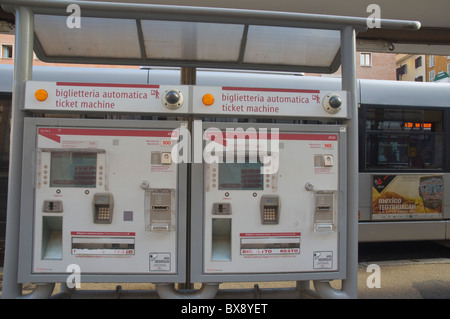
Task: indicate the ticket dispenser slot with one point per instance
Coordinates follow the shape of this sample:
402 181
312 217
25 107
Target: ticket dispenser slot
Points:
324 216
221 209
52 206
159 214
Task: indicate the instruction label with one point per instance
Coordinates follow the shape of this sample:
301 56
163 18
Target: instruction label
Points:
160 261
323 260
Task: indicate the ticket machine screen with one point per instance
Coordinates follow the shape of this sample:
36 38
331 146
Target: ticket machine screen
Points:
73 169
241 176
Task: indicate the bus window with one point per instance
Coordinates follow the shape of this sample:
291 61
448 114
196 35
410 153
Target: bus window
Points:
403 139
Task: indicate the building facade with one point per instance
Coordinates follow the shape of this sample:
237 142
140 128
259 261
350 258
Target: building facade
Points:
436 64
371 65
422 68
411 67
375 66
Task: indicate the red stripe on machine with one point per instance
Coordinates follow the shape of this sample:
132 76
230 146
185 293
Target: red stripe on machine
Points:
289 234
109 85
213 136
232 88
54 133
100 233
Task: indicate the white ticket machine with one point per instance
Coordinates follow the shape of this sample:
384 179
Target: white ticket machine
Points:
103 195
270 203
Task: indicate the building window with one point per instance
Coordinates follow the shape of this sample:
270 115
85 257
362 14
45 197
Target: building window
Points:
7 51
431 75
401 71
366 59
448 68
431 61
418 62
419 78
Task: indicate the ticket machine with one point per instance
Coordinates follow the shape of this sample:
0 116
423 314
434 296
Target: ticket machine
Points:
105 196
270 202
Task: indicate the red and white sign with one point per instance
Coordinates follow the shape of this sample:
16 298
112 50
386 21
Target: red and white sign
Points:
100 97
102 252
271 251
142 98
270 243
102 243
101 233
274 102
55 133
222 137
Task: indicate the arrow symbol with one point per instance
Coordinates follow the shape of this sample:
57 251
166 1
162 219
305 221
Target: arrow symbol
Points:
54 133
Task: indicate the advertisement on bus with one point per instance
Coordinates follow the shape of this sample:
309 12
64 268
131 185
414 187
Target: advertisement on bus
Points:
411 196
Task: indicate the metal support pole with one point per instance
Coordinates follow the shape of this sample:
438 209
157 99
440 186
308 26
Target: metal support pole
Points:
188 76
23 55
349 84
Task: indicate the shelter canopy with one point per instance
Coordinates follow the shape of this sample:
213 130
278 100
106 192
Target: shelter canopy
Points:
163 35
158 42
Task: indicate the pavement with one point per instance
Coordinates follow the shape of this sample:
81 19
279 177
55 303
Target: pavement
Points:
399 279
406 279
411 270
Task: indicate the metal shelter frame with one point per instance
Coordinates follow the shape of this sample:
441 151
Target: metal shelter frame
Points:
25 11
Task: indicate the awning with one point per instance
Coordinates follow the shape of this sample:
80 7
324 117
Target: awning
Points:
160 35
442 77
156 42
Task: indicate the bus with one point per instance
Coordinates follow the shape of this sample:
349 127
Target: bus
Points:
404 129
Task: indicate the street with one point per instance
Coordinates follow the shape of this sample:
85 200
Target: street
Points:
407 270
413 250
